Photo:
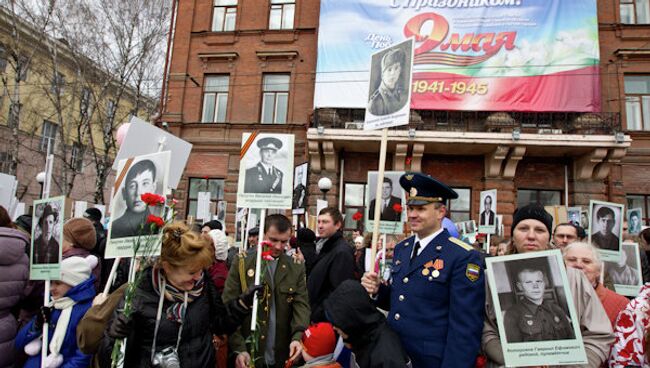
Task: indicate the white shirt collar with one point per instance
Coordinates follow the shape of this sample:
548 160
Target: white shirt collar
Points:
266 167
425 241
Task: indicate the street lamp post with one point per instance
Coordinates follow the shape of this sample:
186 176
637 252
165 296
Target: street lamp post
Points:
40 178
324 184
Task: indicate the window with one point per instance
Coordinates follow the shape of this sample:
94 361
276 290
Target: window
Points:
77 157
354 201
84 102
224 15
3 59
58 83
275 101
214 186
6 160
637 102
48 137
215 99
543 197
639 201
459 208
14 115
281 15
635 11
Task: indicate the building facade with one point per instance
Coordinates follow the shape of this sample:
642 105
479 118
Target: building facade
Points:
223 53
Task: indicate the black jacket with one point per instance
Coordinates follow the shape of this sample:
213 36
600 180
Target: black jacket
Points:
373 342
205 316
332 266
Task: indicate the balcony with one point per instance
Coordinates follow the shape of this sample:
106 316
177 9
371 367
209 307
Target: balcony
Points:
602 123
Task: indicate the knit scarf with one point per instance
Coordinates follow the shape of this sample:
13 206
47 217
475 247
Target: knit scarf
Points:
175 312
65 305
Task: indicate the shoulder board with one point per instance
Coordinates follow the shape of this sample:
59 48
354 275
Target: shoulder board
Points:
461 243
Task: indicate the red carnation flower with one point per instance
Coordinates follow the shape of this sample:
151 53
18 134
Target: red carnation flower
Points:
153 199
267 256
357 216
153 219
408 160
397 208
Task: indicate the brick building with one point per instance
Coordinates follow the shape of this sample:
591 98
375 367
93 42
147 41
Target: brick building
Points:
222 55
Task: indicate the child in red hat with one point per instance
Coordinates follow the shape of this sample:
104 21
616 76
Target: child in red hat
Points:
318 344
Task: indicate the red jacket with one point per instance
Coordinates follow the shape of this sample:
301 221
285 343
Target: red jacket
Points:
218 273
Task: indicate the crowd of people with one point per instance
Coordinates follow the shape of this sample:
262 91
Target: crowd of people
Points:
423 301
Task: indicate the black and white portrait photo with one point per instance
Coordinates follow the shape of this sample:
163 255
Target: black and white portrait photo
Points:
266 171
47 238
221 211
47 231
487 212
606 225
129 213
389 90
299 200
634 220
391 201
626 270
573 215
470 227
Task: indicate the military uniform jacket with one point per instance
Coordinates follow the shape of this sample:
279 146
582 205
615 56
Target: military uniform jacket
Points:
291 306
526 321
438 319
384 101
258 180
601 241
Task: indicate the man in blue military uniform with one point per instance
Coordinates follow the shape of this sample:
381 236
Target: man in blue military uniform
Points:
436 297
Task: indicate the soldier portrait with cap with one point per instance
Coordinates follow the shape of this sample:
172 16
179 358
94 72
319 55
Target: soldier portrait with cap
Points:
265 177
436 294
389 83
46 245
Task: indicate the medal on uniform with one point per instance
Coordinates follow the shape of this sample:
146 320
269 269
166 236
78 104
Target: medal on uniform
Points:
557 319
250 272
530 323
438 265
425 272
435 273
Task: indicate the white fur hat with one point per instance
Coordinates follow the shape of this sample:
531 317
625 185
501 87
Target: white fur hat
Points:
220 244
75 270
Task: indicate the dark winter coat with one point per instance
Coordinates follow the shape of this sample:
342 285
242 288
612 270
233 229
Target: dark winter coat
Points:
14 273
83 294
373 343
333 265
205 316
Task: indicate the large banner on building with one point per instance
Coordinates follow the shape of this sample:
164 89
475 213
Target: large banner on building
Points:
487 55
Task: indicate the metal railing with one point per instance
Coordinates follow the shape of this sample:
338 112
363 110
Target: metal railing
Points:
483 121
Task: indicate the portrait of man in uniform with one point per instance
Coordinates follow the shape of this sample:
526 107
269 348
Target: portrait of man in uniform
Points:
265 177
140 179
299 199
606 226
535 316
388 203
634 221
389 80
46 245
626 270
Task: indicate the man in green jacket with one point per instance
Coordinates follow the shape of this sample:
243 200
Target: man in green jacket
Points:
283 312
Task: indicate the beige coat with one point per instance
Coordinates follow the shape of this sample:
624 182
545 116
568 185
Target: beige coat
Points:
596 328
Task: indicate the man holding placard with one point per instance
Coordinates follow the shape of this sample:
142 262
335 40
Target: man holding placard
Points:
435 277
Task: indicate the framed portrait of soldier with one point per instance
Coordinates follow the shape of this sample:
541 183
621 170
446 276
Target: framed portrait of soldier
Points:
222 207
391 203
300 189
47 239
129 213
536 317
266 171
487 222
626 272
634 218
389 92
574 215
606 228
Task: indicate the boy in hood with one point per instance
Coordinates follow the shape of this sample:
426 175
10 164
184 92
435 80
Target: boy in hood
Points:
363 328
72 296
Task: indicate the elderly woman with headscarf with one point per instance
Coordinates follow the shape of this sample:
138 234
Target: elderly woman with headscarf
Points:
584 257
219 270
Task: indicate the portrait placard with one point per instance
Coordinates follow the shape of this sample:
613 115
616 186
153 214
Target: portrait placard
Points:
487 223
300 189
222 207
8 185
634 218
389 92
266 171
626 272
128 222
392 214
47 239
203 206
574 215
606 229
537 321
